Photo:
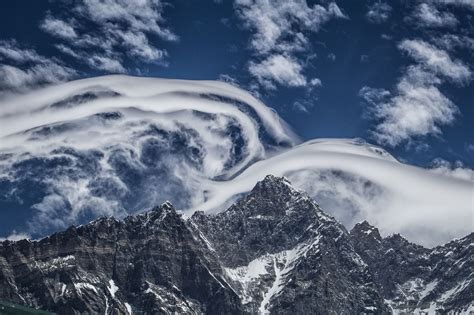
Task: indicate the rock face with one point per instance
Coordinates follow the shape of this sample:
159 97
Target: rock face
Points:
152 263
414 279
274 251
285 255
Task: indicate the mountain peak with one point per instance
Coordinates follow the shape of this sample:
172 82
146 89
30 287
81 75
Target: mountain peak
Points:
273 217
365 229
167 205
273 196
273 184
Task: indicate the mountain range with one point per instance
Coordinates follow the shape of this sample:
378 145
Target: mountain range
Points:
273 251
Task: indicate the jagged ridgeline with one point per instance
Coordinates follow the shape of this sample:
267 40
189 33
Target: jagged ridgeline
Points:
273 251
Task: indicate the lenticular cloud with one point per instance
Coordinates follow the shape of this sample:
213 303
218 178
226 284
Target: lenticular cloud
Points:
116 144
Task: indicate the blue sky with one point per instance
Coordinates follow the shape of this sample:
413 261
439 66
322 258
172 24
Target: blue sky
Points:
395 73
332 51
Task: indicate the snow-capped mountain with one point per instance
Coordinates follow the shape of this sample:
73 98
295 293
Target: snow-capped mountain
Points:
116 145
284 254
273 251
415 279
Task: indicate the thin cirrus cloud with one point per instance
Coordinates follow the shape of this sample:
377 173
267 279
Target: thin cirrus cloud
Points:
58 28
468 4
417 107
103 34
22 67
428 15
378 12
280 32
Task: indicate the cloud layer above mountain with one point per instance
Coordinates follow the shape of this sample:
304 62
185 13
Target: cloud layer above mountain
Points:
114 145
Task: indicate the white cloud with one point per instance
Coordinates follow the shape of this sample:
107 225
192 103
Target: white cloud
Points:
417 107
24 67
451 42
15 236
105 63
143 15
69 200
282 69
50 72
435 60
315 82
111 64
456 169
304 105
373 96
111 30
58 28
228 79
378 12
355 181
11 50
138 45
469 147
415 110
99 166
428 15
469 4
280 31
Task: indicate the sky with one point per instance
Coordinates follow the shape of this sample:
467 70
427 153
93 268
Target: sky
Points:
397 74
331 69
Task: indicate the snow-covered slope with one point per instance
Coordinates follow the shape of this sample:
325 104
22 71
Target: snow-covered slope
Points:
117 144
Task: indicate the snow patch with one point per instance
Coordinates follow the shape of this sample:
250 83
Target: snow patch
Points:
129 308
112 288
84 286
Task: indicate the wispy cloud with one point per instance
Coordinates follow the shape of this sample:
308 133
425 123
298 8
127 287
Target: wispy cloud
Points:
58 28
428 15
280 32
281 69
437 61
417 107
15 236
22 67
98 146
468 4
378 12
103 34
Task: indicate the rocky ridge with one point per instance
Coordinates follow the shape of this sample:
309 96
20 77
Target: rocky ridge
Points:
273 251
415 279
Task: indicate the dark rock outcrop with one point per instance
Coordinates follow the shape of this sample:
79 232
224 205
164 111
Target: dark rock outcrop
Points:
151 263
415 279
305 259
273 251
